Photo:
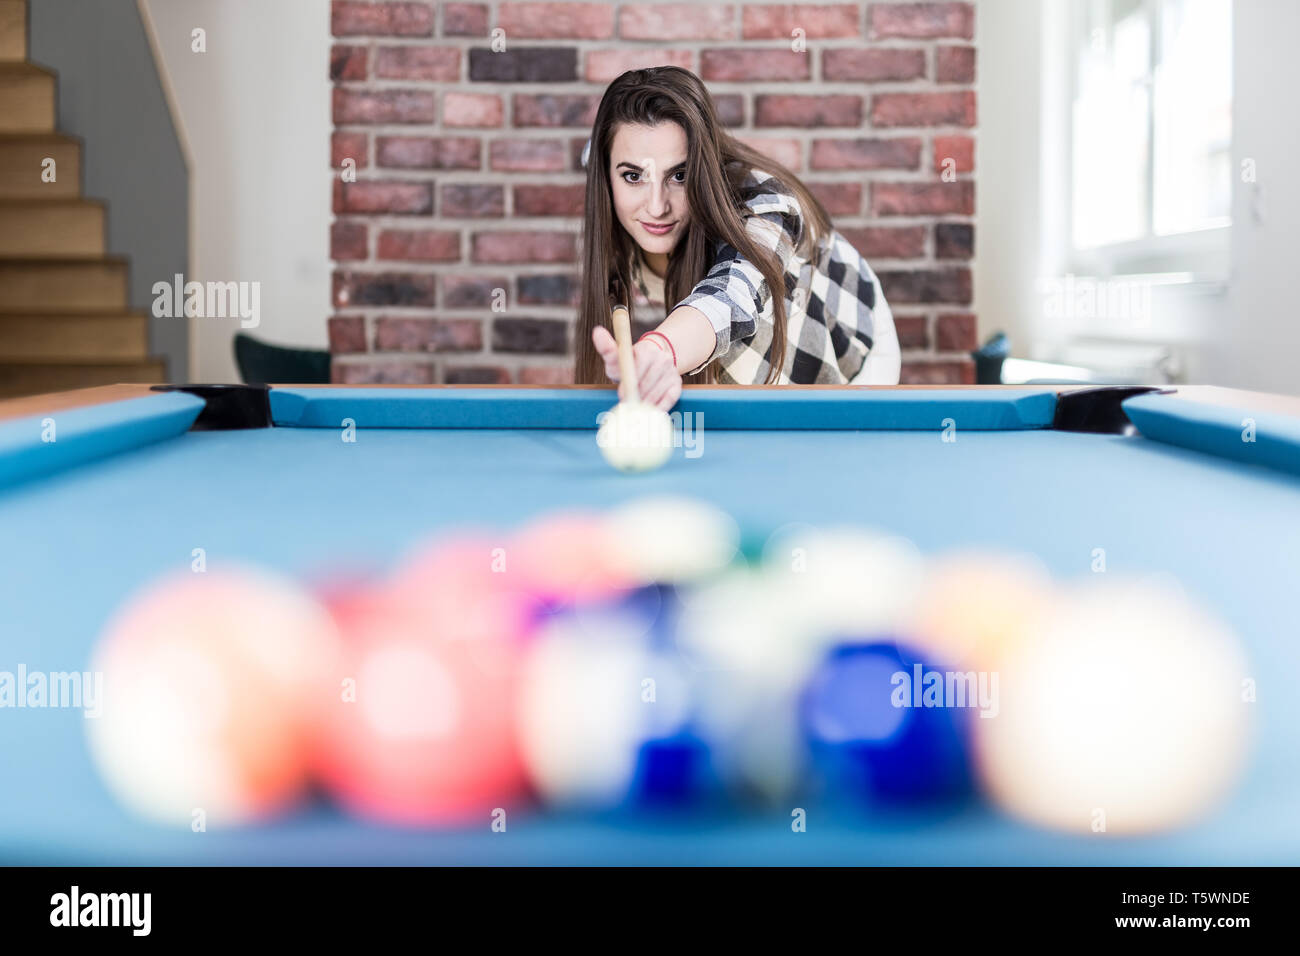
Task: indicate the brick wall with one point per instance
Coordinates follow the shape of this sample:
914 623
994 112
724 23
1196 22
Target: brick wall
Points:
455 248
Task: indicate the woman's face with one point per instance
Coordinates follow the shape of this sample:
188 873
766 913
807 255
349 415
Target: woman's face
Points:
647 169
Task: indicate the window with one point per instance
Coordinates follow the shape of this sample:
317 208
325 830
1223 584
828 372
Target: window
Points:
1150 136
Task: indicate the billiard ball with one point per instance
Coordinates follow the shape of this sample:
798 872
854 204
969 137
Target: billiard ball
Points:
208 683
419 727
672 538
845 580
634 437
975 604
885 728
1124 715
605 712
565 557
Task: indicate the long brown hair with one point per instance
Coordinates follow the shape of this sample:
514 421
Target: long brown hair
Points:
716 164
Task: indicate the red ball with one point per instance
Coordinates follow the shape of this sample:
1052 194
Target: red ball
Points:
420 729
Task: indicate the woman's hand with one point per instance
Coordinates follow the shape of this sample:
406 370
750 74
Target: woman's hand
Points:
658 380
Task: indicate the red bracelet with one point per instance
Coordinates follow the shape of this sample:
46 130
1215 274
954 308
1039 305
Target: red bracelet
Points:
671 351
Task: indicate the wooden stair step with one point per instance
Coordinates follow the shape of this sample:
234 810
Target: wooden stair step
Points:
22 160
26 98
33 379
41 286
13 29
74 337
51 228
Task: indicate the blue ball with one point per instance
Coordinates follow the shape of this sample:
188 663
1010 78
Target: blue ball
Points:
875 734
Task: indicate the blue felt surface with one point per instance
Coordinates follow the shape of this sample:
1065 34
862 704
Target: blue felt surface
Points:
88 434
556 408
304 501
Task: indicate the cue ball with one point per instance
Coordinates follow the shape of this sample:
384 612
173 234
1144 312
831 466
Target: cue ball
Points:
635 437
1125 714
419 726
208 683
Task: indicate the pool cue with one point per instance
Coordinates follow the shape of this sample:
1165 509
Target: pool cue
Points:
622 323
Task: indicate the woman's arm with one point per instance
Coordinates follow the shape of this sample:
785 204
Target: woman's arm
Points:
659 378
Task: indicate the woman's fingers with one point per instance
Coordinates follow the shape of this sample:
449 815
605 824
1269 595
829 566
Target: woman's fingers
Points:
607 349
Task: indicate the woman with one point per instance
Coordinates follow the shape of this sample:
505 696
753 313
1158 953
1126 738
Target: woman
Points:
680 211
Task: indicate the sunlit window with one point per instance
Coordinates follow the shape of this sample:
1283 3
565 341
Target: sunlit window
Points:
1152 119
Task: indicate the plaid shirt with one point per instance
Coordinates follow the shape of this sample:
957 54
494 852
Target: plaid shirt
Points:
838 325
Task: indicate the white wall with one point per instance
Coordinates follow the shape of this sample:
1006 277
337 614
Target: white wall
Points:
255 112
1247 337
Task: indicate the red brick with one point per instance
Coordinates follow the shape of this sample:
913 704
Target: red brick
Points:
473 200
730 108
348 63
473 292
923 199
524 246
428 335
954 64
903 153
868 65
348 240
923 109
548 109
353 146
464 19
524 65
550 289
738 65
925 286
526 156
530 336
347 333
840 199
577 21
960 149
952 372
954 240
605 65
912 331
472 109
381 19
887 242
828 109
920 20
817 21
380 196
382 106
550 200
475 375
787 152
424 152
395 372
355 289
676 21
437 64
955 332
546 375
420 245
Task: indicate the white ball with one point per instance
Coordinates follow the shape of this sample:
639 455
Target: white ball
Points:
634 436
1126 713
669 538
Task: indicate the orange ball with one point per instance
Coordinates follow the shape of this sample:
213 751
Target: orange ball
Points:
208 683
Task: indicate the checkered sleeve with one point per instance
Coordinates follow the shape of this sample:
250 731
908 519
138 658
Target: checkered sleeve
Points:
734 296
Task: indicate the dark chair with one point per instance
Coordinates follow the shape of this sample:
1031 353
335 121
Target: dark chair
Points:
989 358
261 363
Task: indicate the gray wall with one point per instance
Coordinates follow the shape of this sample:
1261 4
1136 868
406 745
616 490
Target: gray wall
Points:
110 95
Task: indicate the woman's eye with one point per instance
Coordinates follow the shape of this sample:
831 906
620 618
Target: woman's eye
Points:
625 175
680 176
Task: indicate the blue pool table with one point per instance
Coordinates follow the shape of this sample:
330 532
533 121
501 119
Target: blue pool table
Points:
135 479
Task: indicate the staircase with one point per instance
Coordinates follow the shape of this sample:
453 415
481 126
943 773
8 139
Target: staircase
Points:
64 318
